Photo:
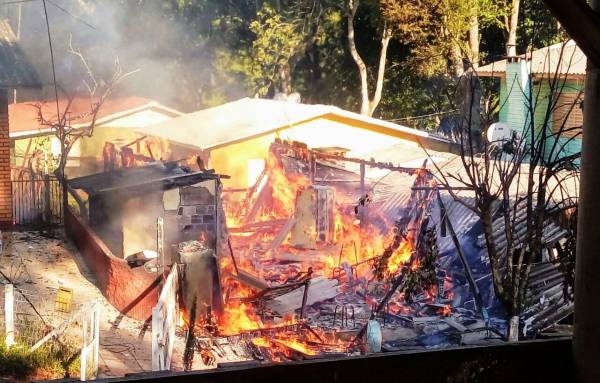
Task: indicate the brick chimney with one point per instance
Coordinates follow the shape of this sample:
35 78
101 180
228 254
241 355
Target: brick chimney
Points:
6 218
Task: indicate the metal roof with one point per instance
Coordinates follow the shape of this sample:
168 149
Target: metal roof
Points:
249 118
16 70
562 58
546 303
140 180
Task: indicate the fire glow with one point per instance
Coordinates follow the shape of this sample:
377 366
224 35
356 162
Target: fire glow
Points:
348 257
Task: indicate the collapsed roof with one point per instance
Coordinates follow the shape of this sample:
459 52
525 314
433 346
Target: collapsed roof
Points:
139 180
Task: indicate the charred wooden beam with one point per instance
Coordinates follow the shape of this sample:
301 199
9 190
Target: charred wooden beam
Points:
463 259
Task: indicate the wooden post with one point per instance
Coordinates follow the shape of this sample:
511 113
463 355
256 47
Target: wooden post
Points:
65 199
362 178
586 337
9 314
96 344
364 212
313 167
47 201
84 351
160 245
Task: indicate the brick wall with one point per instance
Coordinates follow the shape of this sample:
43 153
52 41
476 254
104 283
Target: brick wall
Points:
133 292
5 183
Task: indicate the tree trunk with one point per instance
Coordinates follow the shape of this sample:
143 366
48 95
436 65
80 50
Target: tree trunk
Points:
474 40
385 41
362 68
457 60
513 22
367 105
512 333
285 77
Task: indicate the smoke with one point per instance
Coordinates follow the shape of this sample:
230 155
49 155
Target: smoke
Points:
173 62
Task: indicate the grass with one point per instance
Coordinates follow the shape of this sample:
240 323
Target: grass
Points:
53 359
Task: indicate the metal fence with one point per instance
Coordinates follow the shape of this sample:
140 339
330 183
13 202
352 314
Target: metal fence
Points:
19 321
37 201
29 321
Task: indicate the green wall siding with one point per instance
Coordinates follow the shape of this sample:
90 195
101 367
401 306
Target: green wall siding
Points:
513 108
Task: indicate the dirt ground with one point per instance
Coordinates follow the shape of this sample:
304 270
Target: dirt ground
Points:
39 263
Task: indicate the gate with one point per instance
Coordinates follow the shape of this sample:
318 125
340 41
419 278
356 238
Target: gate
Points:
37 201
164 320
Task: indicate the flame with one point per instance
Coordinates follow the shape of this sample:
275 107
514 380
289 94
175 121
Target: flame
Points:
238 318
296 345
284 189
400 257
446 310
357 244
261 342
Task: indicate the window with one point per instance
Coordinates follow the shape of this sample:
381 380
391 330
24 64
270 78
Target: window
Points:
568 111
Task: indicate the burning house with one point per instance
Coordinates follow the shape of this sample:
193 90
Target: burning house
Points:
324 260
324 252
234 138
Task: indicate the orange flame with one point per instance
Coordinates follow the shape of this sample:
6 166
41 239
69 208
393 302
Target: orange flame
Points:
400 257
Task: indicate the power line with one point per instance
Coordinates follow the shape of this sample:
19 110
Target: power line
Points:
16 2
70 14
52 60
422 116
56 6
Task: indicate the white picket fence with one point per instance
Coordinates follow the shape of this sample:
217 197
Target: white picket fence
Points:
91 344
164 321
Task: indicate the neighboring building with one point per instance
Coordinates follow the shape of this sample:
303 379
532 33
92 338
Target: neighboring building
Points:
15 72
234 138
529 77
117 121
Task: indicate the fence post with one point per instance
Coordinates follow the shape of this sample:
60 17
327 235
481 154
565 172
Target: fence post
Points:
84 350
65 198
96 338
47 206
9 314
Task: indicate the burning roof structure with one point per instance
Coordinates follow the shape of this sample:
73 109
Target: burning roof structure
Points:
323 260
124 205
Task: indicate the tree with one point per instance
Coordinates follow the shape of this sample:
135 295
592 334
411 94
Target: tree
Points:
99 91
442 33
511 23
368 104
537 27
521 182
283 37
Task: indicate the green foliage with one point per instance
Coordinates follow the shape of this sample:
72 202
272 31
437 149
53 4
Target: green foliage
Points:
200 53
537 27
53 359
278 40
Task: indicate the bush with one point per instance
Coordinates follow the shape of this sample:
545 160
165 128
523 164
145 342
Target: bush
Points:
54 359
